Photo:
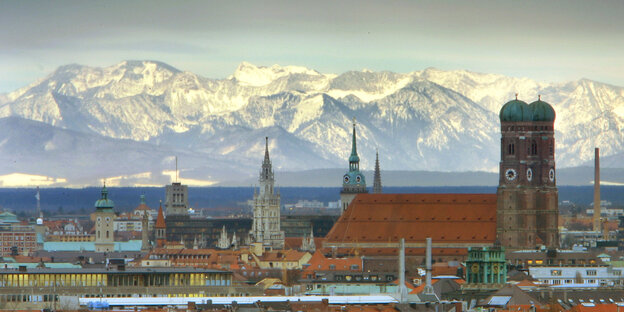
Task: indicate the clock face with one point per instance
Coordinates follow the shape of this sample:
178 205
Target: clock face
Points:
346 179
529 174
551 174
510 174
358 179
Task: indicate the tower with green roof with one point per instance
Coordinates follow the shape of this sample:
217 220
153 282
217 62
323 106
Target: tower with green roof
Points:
104 223
527 201
353 182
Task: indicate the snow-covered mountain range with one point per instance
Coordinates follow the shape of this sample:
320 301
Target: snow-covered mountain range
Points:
129 120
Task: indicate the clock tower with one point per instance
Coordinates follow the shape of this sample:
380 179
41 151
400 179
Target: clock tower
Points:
527 201
353 181
104 223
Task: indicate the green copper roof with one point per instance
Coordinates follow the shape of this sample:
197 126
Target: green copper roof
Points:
354 156
515 110
354 177
542 111
104 202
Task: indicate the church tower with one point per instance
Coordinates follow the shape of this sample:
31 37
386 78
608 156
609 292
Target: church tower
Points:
527 201
353 181
266 227
377 181
104 223
161 228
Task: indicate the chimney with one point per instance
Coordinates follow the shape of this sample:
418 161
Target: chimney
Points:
402 288
428 288
597 190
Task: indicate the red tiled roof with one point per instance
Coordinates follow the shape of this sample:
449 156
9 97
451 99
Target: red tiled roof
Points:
160 220
284 255
319 262
142 207
462 219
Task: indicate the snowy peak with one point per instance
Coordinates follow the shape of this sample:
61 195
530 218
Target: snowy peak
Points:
418 120
257 76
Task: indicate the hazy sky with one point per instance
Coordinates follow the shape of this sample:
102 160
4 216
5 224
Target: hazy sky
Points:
543 40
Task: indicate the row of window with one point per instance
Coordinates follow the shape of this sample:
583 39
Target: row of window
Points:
587 272
603 282
531 150
359 278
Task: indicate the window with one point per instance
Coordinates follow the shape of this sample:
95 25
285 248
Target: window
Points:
511 149
332 266
591 272
355 267
617 272
533 147
568 281
555 272
556 282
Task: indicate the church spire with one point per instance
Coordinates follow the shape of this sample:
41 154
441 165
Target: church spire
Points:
266 174
266 150
377 181
354 159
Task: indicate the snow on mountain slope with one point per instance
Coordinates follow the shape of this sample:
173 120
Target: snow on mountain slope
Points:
419 121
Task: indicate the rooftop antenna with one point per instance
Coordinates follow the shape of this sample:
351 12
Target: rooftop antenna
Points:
176 173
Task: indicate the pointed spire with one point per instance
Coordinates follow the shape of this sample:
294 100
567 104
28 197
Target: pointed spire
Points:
266 150
234 240
266 173
223 242
160 220
377 180
354 143
104 192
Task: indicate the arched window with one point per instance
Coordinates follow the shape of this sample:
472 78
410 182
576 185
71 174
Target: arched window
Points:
511 149
551 148
106 234
533 147
98 232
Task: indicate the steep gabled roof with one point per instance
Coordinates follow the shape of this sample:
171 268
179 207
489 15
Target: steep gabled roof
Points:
160 220
372 220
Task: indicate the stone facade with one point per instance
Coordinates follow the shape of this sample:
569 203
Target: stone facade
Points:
104 223
266 208
176 200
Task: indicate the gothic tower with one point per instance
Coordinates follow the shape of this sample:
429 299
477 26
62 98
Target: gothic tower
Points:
104 223
266 211
161 228
377 180
527 204
353 181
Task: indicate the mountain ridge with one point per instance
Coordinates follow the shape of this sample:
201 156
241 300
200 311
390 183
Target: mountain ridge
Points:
418 120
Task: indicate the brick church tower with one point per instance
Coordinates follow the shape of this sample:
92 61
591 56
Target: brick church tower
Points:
527 201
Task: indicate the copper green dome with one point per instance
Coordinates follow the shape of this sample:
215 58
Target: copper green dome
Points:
542 111
516 110
104 202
